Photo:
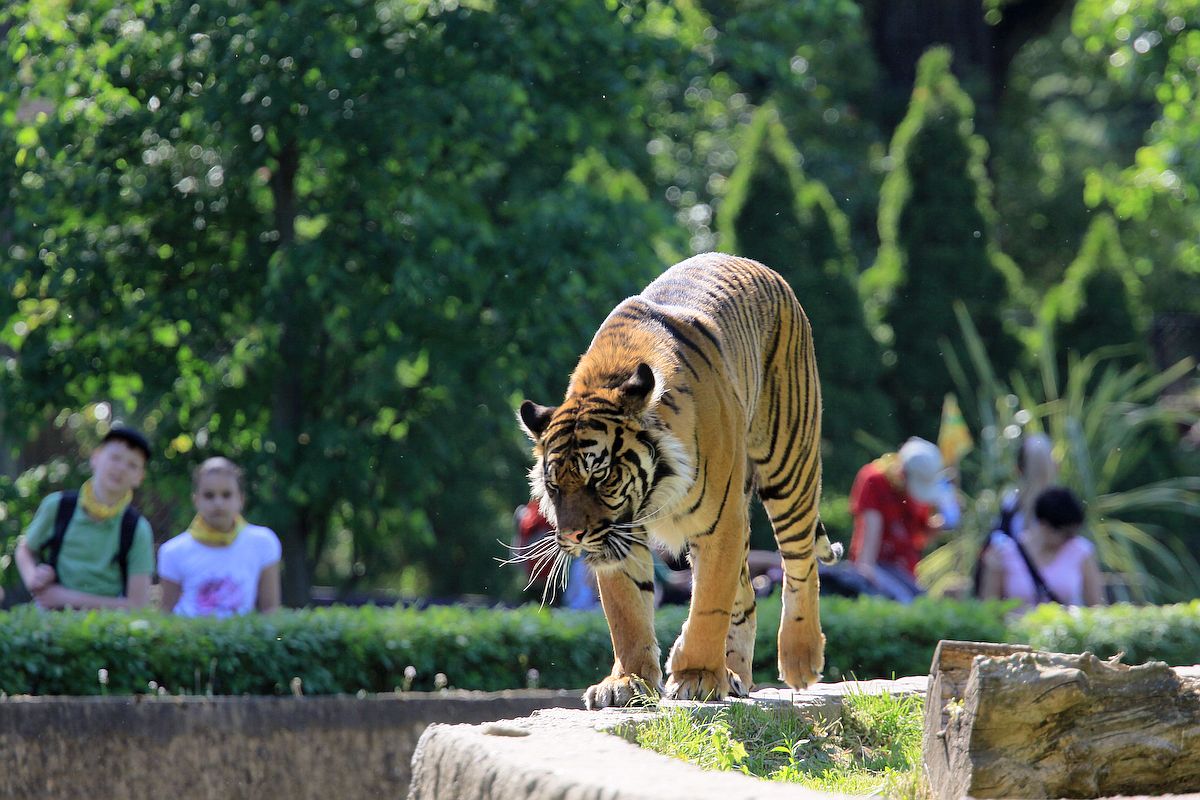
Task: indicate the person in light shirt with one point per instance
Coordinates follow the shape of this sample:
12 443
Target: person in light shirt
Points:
1046 561
222 565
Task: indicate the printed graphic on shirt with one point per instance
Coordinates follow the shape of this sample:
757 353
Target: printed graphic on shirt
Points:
219 596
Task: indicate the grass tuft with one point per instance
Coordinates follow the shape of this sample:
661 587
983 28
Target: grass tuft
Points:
875 748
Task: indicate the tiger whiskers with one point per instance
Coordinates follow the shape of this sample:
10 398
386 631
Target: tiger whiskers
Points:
641 521
556 581
538 552
528 552
541 552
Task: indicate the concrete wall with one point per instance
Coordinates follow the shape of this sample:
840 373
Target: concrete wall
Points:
326 748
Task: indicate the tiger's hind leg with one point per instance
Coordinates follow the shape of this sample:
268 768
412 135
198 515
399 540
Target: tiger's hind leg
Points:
739 644
801 643
786 451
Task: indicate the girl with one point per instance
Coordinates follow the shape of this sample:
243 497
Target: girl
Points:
1046 561
221 565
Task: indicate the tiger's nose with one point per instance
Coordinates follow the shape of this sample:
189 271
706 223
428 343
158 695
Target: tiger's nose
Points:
571 536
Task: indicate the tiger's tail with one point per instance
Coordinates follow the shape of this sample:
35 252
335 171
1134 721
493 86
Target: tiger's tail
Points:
827 552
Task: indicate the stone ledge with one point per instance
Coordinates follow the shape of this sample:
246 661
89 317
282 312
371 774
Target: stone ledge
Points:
561 753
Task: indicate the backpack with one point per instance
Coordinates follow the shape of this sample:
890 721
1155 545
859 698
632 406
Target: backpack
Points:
1007 513
66 509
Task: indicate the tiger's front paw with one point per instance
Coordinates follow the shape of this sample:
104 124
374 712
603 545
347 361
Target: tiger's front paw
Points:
704 684
616 692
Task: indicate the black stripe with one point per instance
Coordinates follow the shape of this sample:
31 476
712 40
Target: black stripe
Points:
720 510
681 336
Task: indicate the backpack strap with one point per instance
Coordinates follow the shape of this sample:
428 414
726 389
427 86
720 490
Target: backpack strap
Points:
1042 589
129 523
66 510
1008 512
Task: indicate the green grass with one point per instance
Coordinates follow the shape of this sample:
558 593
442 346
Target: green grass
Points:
875 748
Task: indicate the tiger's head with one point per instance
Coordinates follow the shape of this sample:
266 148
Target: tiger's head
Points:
605 465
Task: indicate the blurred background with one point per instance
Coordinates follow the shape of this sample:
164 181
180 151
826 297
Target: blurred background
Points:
339 242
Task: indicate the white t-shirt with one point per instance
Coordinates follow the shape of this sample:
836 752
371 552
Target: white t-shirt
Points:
218 581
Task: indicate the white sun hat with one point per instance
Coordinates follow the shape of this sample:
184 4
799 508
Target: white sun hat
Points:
923 470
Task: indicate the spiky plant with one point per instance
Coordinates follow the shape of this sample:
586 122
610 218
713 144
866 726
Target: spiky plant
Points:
1104 420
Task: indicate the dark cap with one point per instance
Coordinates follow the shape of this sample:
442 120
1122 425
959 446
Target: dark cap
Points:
131 437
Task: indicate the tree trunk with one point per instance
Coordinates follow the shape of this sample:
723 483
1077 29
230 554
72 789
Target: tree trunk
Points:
1005 721
295 580
902 30
287 406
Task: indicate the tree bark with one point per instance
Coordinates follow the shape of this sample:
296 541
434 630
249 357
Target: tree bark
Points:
902 30
287 405
1005 721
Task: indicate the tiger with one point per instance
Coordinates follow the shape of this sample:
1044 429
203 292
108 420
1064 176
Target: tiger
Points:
692 396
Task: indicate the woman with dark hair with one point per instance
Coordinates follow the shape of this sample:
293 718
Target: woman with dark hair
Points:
1046 561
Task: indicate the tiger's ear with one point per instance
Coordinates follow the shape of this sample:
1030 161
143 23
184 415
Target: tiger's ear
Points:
638 387
534 418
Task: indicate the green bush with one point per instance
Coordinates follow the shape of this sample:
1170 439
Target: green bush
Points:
346 650
872 638
334 650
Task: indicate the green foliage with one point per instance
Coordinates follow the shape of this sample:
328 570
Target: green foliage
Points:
936 246
1148 50
340 650
1061 119
335 650
873 638
1098 303
812 60
773 214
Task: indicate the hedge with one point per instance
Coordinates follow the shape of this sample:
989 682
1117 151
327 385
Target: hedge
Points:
347 650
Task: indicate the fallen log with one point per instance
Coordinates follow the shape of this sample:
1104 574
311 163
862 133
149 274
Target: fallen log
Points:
1007 721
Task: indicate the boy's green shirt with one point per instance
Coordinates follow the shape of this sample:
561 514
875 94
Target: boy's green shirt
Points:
85 562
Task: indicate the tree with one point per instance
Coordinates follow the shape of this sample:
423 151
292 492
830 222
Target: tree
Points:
935 228
774 214
811 60
1149 49
306 237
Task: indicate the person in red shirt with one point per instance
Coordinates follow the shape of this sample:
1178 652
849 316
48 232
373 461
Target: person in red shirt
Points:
894 500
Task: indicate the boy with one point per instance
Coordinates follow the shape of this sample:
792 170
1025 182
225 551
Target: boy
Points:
84 568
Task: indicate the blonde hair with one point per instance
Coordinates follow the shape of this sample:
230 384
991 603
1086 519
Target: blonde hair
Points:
1037 468
221 466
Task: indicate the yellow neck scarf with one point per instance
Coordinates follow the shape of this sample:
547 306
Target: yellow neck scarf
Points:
98 510
206 534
